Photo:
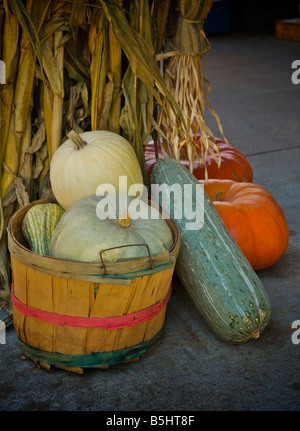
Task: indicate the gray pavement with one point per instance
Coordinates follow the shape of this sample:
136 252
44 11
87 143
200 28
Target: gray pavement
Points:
192 370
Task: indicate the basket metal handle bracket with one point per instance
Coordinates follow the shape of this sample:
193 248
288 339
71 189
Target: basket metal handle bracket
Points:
122 246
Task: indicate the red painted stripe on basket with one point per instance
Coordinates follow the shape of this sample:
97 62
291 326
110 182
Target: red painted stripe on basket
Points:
112 322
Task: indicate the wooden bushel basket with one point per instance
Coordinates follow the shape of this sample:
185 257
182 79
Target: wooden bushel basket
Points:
77 315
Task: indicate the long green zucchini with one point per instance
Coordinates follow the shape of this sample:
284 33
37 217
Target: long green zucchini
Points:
217 276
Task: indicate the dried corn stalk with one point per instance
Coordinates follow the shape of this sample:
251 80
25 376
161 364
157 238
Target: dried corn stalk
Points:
142 83
73 65
184 78
136 115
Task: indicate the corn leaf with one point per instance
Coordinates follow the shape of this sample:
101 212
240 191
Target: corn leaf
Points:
10 55
140 56
77 16
24 18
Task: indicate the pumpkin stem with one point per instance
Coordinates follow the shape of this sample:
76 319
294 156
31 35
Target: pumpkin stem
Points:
217 196
124 221
77 140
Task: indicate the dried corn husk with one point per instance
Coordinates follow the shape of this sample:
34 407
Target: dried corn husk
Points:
53 64
185 80
115 61
20 59
97 37
137 45
10 56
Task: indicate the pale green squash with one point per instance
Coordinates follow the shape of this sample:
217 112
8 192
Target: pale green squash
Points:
38 225
213 269
81 235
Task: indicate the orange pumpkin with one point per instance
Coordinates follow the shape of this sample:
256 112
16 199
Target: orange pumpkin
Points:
234 165
254 219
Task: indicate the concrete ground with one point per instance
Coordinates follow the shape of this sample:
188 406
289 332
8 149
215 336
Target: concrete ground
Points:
192 370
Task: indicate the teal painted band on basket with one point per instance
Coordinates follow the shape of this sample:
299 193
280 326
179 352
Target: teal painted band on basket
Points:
93 360
140 273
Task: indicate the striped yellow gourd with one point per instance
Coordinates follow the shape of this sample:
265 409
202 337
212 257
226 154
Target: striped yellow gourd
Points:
38 226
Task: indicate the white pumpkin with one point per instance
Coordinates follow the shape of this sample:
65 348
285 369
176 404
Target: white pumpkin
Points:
85 161
80 234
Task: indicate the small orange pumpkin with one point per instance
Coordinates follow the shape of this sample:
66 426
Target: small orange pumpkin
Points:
254 219
234 164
